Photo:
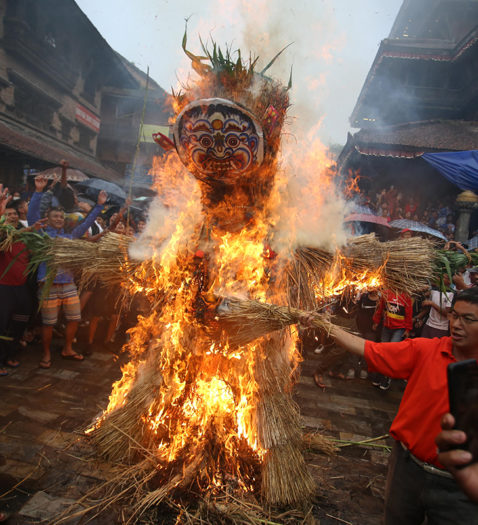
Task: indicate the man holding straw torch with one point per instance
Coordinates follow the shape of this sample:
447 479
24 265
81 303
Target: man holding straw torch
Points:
417 485
62 291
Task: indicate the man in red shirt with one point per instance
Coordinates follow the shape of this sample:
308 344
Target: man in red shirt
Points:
417 485
15 296
395 311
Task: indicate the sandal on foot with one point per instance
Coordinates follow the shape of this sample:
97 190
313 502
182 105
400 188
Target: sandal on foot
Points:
44 364
13 364
73 357
319 381
3 372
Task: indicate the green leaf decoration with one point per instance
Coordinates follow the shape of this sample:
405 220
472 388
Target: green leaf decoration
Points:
275 58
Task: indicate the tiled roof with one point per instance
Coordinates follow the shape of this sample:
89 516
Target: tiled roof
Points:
456 135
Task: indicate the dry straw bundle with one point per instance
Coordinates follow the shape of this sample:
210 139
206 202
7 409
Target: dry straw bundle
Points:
246 320
404 265
105 261
408 264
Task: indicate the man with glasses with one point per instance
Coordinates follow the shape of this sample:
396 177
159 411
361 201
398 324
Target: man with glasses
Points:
63 291
418 487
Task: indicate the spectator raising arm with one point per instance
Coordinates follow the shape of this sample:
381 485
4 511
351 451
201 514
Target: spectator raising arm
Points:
4 199
82 228
33 214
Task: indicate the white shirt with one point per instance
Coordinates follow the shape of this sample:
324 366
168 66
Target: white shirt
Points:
442 300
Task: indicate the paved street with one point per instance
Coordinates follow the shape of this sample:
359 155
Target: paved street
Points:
45 464
41 417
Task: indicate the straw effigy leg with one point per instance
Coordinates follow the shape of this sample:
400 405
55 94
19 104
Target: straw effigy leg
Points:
285 478
119 432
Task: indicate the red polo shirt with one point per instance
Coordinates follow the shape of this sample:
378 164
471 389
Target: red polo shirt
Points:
18 257
423 363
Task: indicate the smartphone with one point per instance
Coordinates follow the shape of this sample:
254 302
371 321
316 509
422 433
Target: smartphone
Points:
463 396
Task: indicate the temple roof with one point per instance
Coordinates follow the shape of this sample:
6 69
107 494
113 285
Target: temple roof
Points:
411 140
440 20
455 135
427 68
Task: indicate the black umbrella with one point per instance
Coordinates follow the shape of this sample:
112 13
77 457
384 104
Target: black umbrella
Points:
94 186
142 190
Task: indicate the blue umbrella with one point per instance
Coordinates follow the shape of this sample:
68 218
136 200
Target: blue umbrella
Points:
93 186
414 226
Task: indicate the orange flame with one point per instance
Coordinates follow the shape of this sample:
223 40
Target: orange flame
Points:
204 393
340 279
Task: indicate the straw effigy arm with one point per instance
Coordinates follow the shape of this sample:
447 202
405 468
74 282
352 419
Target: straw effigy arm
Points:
246 320
405 265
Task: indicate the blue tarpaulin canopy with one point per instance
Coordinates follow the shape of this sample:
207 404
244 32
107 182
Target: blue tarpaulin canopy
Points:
459 167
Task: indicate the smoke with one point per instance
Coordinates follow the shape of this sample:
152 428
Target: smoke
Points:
312 208
310 211
173 214
324 71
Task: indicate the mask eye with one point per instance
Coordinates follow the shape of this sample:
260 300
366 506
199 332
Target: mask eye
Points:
232 141
205 141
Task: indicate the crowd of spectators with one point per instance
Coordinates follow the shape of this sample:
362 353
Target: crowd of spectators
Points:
56 208
393 204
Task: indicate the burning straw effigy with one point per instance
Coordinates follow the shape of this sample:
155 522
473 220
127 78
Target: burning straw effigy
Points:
208 336
203 410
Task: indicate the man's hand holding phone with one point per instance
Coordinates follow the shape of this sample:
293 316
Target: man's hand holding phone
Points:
455 459
458 440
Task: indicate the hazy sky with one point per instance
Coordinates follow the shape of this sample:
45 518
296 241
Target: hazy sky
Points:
334 44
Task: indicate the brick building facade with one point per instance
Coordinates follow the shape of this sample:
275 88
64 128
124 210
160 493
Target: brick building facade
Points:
57 74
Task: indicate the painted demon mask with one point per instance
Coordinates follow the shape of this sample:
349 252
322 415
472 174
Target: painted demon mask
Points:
218 140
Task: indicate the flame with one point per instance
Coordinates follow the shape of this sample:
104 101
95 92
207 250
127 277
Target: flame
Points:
352 187
203 395
341 279
207 390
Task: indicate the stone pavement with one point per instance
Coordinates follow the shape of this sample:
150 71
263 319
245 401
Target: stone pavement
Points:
44 464
351 485
42 414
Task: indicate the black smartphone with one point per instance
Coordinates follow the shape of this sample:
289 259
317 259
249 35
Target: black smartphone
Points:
463 396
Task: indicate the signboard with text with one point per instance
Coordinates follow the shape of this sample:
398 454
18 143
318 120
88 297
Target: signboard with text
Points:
87 118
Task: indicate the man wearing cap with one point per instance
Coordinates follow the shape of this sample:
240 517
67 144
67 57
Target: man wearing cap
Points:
418 487
473 273
405 233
